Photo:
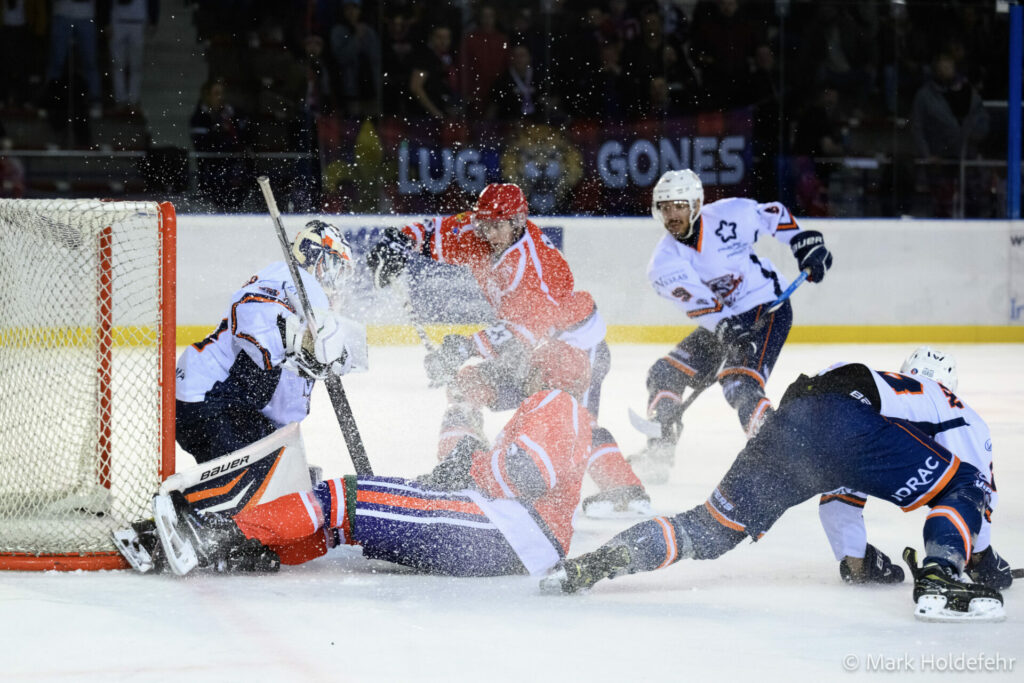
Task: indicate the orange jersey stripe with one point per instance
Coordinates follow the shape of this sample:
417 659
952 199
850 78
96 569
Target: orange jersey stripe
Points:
396 500
722 519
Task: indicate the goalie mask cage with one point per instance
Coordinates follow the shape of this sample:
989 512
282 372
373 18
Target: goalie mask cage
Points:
87 351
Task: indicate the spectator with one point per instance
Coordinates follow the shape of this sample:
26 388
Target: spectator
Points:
947 121
357 53
723 47
282 78
20 21
841 46
818 133
217 127
651 56
129 21
600 94
515 93
74 21
396 53
430 84
482 59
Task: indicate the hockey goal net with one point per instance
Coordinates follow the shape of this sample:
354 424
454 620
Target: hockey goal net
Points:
87 347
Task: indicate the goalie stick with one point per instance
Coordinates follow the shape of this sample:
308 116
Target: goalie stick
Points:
342 409
652 429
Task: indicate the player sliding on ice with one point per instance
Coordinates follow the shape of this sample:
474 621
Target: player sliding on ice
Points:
869 430
531 289
504 510
707 267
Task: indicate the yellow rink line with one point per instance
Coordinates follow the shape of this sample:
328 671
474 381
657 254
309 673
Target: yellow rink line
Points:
404 335
396 335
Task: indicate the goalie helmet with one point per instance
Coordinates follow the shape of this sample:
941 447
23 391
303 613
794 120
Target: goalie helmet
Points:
562 366
678 186
933 364
324 252
502 202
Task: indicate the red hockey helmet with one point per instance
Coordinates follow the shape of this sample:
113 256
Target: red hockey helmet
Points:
562 366
502 202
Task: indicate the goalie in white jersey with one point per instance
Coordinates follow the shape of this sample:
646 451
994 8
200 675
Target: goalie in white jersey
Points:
952 424
255 373
707 267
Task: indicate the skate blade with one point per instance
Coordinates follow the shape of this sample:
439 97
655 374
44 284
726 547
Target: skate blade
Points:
127 543
181 555
932 608
605 509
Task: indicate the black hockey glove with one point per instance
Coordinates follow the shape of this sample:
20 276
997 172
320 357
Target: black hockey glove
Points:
452 473
387 258
811 254
733 332
989 569
875 568
444 362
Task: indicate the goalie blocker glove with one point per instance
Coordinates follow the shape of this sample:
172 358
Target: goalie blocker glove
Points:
388 257
444 362
811 254
327 353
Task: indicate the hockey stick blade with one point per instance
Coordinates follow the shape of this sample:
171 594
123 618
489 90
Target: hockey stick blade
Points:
1017 573
648 428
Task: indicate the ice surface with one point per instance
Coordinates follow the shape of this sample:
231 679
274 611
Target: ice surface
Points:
771 611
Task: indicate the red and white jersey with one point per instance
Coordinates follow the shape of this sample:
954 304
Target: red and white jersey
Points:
250 327
715 273
529 285
944 417
553 428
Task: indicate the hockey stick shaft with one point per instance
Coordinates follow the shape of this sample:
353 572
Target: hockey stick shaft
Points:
335 390
414 319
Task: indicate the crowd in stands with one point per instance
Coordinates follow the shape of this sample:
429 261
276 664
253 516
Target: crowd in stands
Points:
836 72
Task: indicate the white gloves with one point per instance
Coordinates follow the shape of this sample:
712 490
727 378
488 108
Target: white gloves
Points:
339 346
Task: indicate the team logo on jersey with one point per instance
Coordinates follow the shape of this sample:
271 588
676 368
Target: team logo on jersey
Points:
724 226
681 294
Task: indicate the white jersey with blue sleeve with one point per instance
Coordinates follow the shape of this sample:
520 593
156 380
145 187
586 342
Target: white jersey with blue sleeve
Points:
250 327
715 273
944 417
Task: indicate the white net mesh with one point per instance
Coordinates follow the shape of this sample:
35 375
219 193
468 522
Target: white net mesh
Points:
80 371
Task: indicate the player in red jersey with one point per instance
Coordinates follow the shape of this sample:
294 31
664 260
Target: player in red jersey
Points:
531 290
505 510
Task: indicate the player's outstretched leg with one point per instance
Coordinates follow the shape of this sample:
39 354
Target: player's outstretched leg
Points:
941 595
874 567
192 538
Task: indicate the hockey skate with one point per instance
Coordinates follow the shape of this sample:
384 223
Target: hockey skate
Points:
581 573
941 595
874 567
140 545
617 503
654 463
211 540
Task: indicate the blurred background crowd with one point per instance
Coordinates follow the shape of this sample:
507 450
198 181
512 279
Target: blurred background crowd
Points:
838 108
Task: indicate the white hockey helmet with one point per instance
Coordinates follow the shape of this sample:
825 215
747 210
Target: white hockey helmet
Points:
933 364
676 186
323 251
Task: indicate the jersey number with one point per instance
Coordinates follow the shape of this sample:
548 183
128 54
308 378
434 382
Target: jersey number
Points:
901 384
203 343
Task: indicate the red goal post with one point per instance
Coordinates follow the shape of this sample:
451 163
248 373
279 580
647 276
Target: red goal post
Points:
87 361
